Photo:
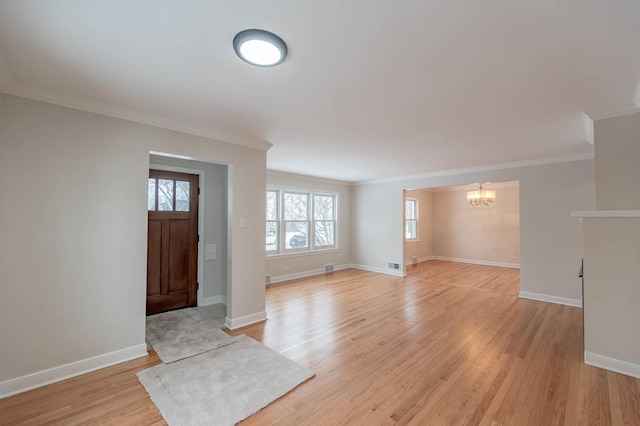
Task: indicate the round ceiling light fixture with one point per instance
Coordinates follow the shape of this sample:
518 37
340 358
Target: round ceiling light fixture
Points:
260 48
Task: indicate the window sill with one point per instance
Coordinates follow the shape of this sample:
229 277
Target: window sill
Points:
301 253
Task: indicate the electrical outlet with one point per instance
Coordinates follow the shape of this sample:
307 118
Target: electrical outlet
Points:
286 268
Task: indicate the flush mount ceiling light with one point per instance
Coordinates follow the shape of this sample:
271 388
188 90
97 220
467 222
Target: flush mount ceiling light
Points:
481 197
260 48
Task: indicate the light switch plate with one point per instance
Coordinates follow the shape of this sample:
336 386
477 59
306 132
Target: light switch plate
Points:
210 252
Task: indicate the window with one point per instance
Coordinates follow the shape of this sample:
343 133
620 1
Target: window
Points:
273 213
411 219
299 221
167 195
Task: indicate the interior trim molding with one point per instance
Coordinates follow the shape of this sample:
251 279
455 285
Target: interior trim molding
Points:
485 168
605 213
478 262
420 260
612 364
280 173
551 299
234 323
310 273
129 115
213 300
394 272
67 371
587 124
615 113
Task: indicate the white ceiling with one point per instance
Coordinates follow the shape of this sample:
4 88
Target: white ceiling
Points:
371 88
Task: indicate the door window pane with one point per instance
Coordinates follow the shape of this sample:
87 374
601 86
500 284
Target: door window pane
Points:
151 195
182 196
165 195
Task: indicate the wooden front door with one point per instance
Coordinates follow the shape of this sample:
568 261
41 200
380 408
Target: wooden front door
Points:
172 244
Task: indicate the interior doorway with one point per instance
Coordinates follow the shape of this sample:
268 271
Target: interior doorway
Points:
442 226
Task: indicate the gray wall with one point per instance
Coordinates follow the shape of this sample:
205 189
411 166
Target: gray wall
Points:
618 162
73 234
612 251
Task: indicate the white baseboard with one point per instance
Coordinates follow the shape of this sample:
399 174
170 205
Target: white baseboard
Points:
67 371
478 262
233 323
622 367
552 299
394 272
420 260
305 274
212 300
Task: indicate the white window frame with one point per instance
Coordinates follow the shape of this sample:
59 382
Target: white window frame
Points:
282 250
277 221
409 220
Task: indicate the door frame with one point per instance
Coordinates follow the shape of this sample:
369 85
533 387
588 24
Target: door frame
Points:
201 207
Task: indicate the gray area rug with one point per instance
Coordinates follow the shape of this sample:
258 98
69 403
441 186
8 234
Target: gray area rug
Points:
223 386
184 333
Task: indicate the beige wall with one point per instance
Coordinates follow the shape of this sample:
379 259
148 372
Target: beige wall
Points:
487 234
422 248
215 220
290 266
73 231
618 162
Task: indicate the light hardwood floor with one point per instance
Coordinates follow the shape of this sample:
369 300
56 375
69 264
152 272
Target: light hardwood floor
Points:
390 350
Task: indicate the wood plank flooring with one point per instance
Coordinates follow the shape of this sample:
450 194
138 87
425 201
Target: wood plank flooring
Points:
390 350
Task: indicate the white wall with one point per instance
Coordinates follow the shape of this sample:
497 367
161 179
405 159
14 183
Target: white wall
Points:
485 234
550 240
215 221
289 266
73 227
422 248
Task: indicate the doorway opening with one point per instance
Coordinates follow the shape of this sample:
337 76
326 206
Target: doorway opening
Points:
448 240
212 254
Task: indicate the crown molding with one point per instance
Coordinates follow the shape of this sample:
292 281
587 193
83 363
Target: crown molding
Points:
130 115
485 168
595 116
473 186
289 175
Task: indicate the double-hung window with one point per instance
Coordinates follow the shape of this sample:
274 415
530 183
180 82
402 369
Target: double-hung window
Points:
411 219
300 221
273 224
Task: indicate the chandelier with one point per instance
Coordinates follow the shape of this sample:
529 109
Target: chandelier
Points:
481 197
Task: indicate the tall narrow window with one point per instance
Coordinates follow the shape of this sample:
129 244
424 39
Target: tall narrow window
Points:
273 218
324 215
411 219
296 220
